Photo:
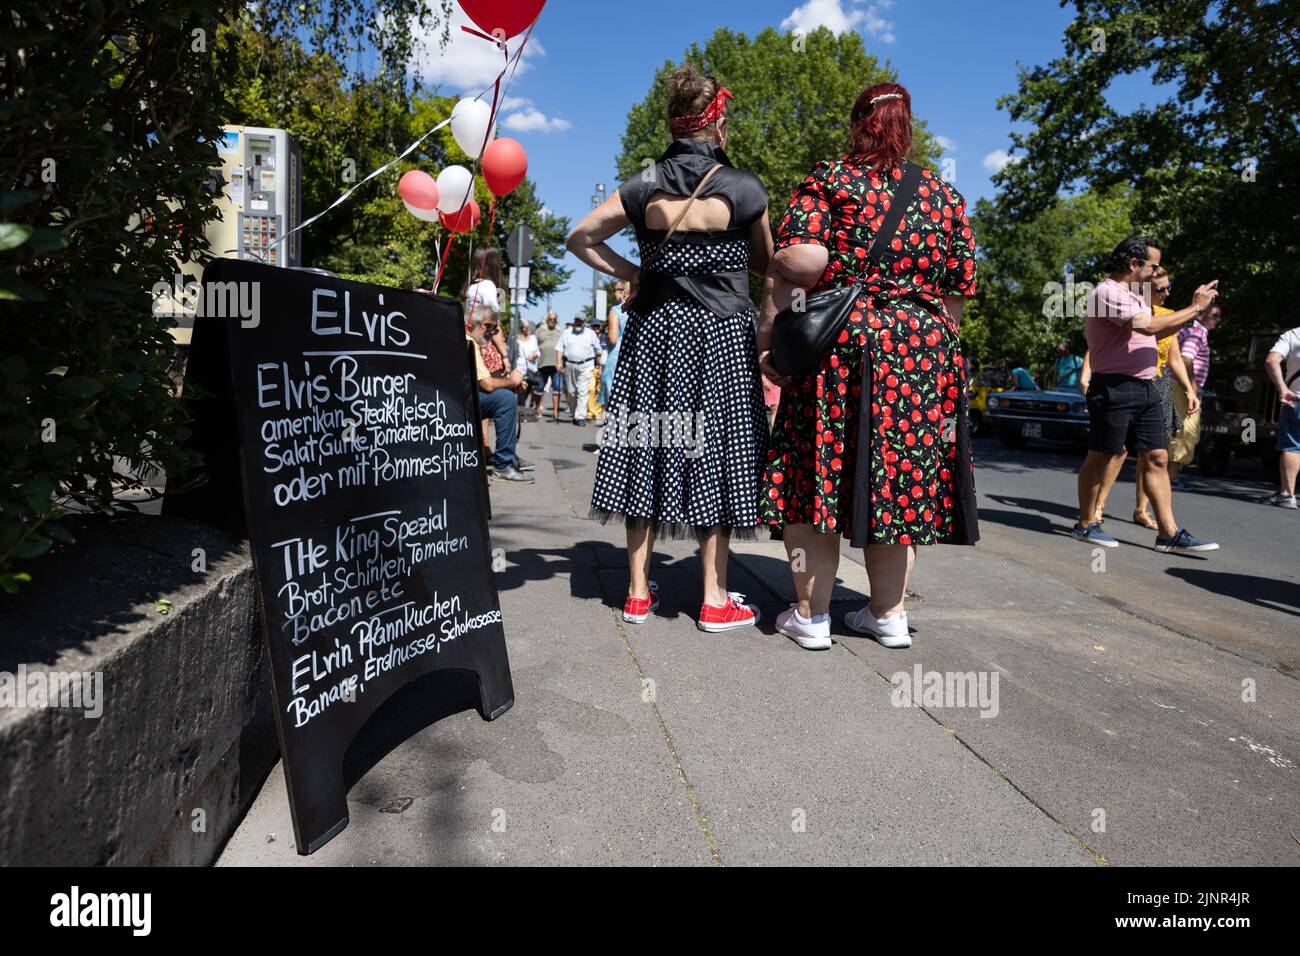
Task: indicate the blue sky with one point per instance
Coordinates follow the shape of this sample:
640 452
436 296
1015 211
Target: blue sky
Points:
588 62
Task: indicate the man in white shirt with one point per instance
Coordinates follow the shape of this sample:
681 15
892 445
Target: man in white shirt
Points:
1283 367
575 357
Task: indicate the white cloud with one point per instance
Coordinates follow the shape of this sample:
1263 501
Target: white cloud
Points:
833 15
822 13
999 160
468 63
876 25
528 119
946 144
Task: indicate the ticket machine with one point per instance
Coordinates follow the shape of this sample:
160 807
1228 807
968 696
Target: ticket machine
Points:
260 202
262 197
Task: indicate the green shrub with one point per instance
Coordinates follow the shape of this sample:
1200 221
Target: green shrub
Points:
108 114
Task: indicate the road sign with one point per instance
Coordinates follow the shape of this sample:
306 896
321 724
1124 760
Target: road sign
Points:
520 245
519 284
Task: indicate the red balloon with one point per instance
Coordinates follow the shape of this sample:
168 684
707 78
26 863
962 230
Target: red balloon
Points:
419 189
463 220
504 165
511 17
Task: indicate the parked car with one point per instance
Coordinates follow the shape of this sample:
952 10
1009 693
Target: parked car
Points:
1240 414
1219 431
1024 415
1244 420
987 382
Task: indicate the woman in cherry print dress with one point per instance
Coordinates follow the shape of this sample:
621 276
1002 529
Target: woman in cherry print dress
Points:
874 443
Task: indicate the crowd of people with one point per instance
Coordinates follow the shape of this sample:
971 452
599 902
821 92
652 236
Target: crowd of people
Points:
869 436
1131 403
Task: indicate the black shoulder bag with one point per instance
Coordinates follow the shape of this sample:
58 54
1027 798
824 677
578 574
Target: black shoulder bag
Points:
800 337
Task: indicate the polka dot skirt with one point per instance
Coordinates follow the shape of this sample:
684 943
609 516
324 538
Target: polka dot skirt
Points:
683 447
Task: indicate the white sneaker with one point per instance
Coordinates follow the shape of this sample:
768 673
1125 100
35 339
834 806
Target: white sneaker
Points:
814 635
889 631
1280 499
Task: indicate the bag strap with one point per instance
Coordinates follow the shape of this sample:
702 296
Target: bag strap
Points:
685 209
903 196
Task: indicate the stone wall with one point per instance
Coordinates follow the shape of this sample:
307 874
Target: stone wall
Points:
185 724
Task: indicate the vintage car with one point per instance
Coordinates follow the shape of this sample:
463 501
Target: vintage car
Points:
987 382
1024 415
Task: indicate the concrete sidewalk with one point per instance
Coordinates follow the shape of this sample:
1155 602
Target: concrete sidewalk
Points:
1114 740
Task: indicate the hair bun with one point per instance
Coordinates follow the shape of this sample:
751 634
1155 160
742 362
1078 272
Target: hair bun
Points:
689 91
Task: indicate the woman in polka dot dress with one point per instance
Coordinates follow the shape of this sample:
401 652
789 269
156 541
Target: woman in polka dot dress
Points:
874 443
682 449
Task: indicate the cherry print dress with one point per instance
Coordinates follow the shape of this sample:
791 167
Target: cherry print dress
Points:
683 446
875 443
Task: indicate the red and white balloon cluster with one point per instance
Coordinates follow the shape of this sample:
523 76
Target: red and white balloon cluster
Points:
450 198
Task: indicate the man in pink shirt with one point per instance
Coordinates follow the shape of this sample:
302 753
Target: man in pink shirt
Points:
1123 403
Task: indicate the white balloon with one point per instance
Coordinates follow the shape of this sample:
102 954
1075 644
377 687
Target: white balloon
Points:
469 126
455 188
428 215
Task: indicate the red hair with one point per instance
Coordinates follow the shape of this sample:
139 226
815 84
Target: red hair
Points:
881 135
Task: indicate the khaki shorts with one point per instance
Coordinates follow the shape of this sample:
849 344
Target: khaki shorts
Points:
1182 446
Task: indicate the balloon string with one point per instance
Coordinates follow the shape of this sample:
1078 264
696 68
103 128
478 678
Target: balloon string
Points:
492 217
369 176
406 152
478 160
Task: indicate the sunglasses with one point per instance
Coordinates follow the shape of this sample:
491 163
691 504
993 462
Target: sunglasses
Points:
1163 290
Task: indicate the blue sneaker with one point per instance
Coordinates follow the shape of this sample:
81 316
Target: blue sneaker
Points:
1094 535
1183 543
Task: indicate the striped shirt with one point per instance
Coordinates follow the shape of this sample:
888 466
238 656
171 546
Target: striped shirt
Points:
1194 343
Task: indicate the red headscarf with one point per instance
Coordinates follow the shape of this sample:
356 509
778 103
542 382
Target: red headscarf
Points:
681 125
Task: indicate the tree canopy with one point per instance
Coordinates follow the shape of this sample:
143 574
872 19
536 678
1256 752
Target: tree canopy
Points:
793 97
1026 301
348 127
1213 160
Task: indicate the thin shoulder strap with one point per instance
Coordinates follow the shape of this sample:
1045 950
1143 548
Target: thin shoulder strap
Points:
685 209
903 196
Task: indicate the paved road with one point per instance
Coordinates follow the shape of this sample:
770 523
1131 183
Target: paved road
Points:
1245 597
1112 739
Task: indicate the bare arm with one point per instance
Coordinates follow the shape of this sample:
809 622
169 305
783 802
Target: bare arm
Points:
513 380
760 245
1085 376
1178 368
794 269
1158 326
499 340
955 304
1273 367
587 241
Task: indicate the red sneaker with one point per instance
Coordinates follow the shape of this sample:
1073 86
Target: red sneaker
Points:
636 610
735 613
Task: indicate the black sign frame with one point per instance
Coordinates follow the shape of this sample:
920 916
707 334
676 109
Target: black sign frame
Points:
235 498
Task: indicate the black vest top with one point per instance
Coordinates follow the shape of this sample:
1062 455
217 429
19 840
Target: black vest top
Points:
724 290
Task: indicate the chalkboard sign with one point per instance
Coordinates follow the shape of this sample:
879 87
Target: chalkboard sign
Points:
351 413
